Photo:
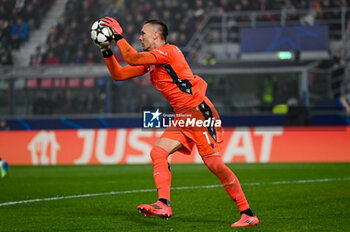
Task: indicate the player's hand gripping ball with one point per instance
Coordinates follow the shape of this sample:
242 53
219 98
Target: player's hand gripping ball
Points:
101 34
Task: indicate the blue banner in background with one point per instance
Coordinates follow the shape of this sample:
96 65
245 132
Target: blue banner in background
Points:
293 38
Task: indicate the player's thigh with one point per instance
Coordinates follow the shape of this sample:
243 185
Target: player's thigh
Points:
207 143
170 145
207 137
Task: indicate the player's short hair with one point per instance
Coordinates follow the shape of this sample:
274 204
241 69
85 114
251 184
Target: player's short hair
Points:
162 27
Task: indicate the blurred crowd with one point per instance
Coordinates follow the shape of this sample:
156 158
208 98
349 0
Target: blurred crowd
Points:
64 101
183 18
69 41
17 19
92 100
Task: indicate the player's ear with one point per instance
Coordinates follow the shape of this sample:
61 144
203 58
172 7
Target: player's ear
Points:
155 35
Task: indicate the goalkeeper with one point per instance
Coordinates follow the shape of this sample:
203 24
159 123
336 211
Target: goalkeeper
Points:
172 76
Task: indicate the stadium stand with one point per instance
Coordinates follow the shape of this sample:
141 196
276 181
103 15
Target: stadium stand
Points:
189 17
206 31
17 20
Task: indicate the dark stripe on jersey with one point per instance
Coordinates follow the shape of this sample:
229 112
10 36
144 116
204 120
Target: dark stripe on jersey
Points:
183 84
207 114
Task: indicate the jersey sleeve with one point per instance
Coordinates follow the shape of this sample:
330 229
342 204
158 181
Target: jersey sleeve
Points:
120 73
162 55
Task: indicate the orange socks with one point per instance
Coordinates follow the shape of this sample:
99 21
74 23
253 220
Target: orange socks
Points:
161 172
162 176
228 180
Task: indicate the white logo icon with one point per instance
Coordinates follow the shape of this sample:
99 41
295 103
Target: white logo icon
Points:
151 119
43 148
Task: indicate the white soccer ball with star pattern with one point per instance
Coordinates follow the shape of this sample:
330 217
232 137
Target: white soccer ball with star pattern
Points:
101 34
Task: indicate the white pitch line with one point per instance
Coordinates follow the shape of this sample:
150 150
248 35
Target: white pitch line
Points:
173 188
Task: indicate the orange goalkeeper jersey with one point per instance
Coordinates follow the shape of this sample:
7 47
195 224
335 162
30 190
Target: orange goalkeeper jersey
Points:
172 76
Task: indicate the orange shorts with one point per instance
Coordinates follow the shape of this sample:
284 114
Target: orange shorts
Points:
200 126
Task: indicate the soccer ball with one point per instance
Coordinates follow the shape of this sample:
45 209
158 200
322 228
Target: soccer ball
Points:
101 34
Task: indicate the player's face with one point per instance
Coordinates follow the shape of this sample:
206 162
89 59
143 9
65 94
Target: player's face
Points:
147 37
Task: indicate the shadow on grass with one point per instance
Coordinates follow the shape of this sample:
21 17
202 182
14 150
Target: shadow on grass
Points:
174 220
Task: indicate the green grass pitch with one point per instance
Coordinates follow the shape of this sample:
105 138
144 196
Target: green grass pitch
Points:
285 197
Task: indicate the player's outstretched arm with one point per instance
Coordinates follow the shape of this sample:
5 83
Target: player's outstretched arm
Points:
120 73
132 57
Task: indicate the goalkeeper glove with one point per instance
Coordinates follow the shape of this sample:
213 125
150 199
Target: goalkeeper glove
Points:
114 26
105 49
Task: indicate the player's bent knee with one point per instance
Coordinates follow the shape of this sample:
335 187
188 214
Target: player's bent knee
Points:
158 153
217 166
170 145
213 162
